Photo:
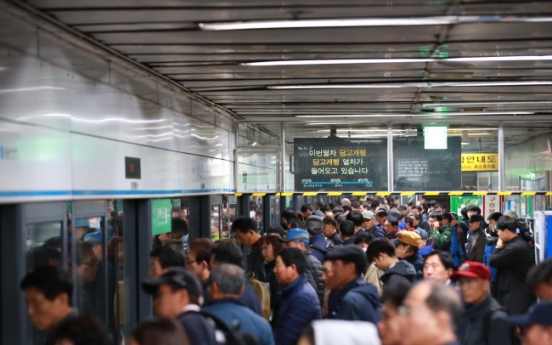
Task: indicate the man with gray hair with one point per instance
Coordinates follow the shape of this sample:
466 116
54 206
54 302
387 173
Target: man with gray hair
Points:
226 284
318 244
345 202
434 308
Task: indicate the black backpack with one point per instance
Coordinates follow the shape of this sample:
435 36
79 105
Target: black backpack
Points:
233 335
486 329
329 247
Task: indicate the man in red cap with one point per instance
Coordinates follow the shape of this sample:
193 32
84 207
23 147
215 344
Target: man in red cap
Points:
484 319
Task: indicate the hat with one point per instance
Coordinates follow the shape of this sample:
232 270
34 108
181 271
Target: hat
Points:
180 277
368 215
408 237
454 215
394 214
276 229
318 213
314 224
475 218
472 269
94 237
353 254
539 313
296 235
338 209
423 234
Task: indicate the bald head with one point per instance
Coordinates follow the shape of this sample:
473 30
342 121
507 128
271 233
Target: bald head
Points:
435 308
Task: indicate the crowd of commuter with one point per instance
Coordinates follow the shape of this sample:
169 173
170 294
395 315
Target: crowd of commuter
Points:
362 272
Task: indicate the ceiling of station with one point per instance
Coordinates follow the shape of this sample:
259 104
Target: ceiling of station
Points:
408 62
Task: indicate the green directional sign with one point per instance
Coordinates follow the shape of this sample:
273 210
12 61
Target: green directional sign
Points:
161 216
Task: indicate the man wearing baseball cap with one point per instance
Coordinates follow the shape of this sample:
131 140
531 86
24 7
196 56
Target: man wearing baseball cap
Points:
299 238
484 318
536 325
407 243
178 294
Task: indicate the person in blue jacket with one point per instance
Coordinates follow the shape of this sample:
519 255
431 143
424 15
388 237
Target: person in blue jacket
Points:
226 284
300 305
353 298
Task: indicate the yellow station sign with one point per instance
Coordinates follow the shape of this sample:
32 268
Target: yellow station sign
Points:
480 162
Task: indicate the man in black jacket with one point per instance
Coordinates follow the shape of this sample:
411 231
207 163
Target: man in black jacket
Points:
475 248
513 258
381 252
484 319
178 294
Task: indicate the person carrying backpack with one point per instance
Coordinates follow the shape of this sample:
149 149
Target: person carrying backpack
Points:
317 241
484 321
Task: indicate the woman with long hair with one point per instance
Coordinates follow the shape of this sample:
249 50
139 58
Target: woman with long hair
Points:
270 246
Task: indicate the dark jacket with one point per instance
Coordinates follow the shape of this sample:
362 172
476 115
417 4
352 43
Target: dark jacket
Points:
198 328
513 261
248 298
357 301
273 285
335 238
402 270
374 231
418 262
319 241
314 275
299 308
475 247
478 317
232 310
349 241
254 258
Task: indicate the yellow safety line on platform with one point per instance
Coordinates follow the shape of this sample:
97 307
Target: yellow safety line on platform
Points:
529 193
258 194
310 194
408 193
479 193
504 193
238 194
285 194
359 193
548 194
335 194
383 193
432 193
456 193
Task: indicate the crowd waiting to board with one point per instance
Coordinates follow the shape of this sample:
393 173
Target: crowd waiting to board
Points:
370 272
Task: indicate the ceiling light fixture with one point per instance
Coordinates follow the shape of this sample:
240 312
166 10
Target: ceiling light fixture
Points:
383 61
356 22
409 85
421 115
436 105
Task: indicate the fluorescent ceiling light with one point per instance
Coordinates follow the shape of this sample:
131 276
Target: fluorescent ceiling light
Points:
436 105
355 22
383 61
421 115
410 85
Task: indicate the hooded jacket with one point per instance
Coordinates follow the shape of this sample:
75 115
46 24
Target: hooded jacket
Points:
474 322
321 242
299 308
356 301
513 261
402 270
418 263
